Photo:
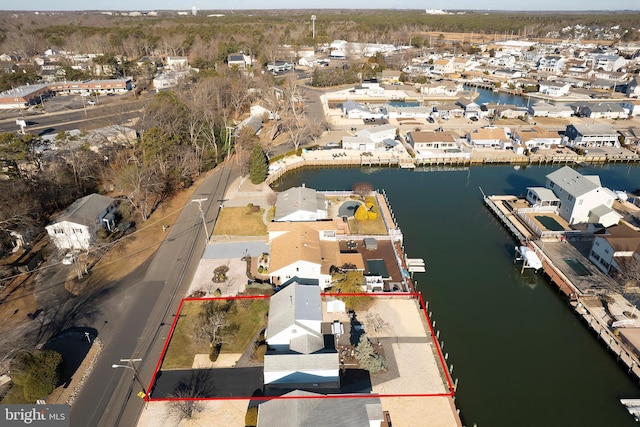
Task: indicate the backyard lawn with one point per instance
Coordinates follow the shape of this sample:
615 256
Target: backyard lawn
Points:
241 221
247 317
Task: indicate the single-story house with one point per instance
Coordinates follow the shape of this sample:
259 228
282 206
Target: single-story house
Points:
300 204
360 143
537 137
488 137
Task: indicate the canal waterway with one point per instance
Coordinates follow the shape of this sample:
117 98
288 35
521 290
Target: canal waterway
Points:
522 357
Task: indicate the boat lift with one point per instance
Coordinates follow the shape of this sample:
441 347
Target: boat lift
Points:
528 257
415 265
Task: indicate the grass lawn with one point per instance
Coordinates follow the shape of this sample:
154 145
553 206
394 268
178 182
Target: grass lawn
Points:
240 221
248 317
375 226
181 350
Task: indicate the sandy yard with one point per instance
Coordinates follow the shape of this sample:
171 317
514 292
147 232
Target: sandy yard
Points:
228 413
236 277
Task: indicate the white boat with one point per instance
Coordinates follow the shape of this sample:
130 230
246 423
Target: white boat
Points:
633 406
530 258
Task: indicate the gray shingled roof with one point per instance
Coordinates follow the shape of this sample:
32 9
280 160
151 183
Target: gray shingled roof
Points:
293 362
85 210
298 199
316 412
573 182
294 302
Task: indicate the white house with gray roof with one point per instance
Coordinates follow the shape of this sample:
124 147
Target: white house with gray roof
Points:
300 204
582 198
306 409
76 227
297 357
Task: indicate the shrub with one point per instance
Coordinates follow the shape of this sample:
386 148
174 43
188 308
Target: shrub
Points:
220 274
215 352
38 373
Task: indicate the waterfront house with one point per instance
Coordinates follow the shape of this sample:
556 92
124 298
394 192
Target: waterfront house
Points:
537 137
306 409
610 250
543 109
425 142
379 133
300 204
554 89
489 137
591 135
446 88
305 250
582 198
360 143
297 357
76 228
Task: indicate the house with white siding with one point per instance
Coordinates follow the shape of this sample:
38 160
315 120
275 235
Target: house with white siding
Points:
582 198
300 204
297 357
591 135
76 228
610 250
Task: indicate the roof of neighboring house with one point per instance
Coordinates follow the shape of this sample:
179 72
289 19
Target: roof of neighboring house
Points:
376 129
294 303
621 237
536 132
574 183
293 241
594 129
85 210
316 412
298 199
484 134
432 136
295 362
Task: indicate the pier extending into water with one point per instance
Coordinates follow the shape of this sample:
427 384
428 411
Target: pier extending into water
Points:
586 288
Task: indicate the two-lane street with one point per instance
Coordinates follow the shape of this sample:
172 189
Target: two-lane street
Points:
137 320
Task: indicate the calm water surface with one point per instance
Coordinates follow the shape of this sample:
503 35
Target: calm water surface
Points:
523 358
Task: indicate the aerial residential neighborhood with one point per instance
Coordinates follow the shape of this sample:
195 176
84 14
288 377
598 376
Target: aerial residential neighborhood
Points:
240 217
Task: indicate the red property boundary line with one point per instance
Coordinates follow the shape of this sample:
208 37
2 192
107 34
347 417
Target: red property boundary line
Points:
418 296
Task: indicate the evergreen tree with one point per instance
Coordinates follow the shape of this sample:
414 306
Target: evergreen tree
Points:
367 358
258 165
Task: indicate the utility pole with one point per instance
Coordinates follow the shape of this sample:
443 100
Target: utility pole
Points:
204 222
131 366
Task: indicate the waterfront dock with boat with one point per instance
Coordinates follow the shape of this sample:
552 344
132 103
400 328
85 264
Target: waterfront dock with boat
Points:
594 296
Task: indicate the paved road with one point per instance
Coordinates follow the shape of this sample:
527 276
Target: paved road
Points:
137 319
91 117
221 382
